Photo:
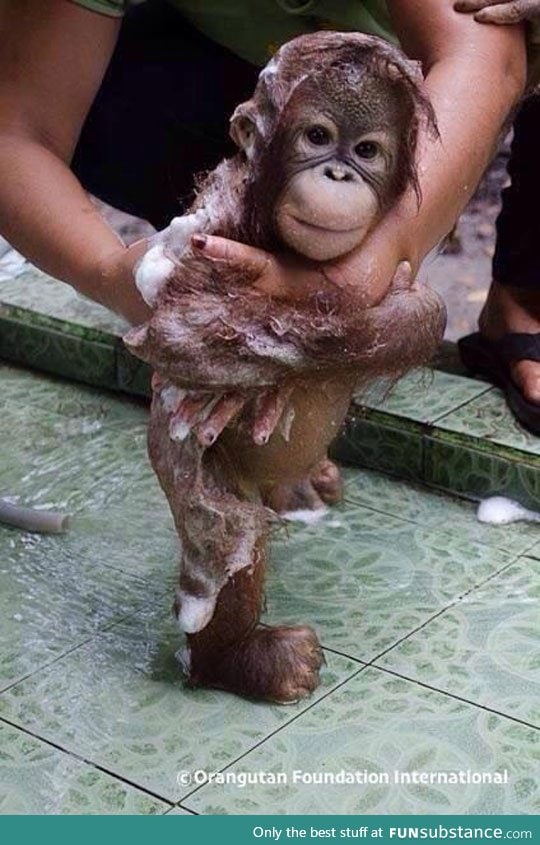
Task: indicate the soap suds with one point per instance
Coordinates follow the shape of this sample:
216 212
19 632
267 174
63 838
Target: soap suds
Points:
498 510
308 517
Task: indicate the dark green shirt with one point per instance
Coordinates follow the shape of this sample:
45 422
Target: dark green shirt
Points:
254 29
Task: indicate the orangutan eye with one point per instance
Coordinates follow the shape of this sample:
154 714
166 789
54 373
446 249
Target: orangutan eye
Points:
366 149
318 136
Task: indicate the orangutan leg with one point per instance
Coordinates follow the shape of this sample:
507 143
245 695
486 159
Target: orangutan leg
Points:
322 487
223 528
234 653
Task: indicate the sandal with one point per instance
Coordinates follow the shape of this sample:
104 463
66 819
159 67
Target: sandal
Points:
492 358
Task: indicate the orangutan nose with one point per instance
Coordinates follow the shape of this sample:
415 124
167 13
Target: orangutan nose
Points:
338 173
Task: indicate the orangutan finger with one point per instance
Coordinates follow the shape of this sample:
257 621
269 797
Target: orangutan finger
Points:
190 411
224 410
157 382
269 408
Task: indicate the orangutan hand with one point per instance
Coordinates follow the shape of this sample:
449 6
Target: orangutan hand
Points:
208 414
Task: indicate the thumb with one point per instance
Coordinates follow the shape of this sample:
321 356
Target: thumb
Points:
403 279
252 261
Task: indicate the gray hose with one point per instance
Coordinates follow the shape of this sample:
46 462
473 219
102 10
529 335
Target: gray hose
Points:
29 519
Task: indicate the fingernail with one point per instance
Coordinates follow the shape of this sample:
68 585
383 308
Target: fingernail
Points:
206 438
199 241
261 439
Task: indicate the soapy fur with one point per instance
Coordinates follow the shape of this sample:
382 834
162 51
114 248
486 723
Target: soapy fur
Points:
212 332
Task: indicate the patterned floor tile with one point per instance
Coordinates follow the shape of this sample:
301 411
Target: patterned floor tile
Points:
178 811
488 417
53 597
24 389
120 701
534 552
133 375
36 779
424 395
433 510
377 723
136 538
71 463
364 579
486 647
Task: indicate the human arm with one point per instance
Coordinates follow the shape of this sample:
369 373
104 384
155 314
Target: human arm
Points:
473 76
44 211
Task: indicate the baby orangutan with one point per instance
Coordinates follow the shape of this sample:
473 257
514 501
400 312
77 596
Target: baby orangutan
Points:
251 386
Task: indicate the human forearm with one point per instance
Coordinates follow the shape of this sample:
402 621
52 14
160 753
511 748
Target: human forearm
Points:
44 211
475 75
46 214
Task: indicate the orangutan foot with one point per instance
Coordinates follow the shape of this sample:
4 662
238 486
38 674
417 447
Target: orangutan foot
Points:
274 664
323 487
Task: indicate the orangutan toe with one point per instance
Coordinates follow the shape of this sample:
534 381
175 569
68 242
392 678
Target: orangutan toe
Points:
327 481
294 660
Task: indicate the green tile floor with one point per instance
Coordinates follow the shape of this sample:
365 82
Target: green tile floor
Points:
429 622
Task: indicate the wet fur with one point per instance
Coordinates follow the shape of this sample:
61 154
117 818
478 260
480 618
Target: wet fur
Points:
212 330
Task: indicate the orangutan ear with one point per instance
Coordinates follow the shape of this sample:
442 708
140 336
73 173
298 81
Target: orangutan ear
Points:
244 129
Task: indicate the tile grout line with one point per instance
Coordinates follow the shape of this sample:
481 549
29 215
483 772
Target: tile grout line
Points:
373 662
86 760
423 431
435 491
438 419
346 500
67 653
76 755
284 725
453 695
444 609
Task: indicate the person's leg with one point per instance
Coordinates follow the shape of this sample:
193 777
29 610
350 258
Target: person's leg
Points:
161 114
513 303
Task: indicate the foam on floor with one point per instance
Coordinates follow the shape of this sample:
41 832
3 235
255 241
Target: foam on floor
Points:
498 510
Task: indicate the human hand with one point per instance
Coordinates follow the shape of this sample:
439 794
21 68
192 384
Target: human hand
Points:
131 277
165 248
500 11
237 318
259 320
366 273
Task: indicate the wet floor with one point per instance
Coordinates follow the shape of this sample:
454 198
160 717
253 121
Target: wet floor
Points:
428 618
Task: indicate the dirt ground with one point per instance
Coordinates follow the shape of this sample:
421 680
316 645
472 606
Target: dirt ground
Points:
461 271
